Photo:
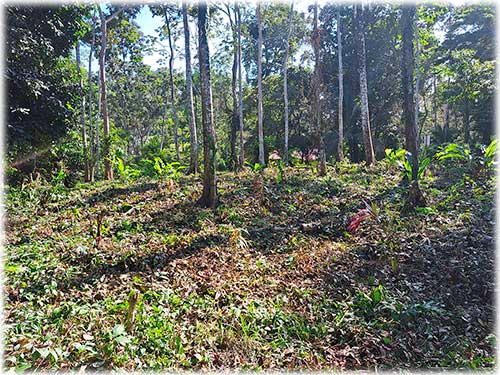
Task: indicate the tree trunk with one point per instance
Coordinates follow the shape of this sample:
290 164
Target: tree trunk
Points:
415 197
365 115
83 119
259 89
317 133
92 148
285 83
240 86
417 83
108 168
234 111
434 102
193 163
209 195
340 145
97 130
172 88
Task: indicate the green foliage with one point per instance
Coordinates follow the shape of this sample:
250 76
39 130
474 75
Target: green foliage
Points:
278 165
477 162
454 151
403 159
489 154
255 168
41 78
126 172
156 167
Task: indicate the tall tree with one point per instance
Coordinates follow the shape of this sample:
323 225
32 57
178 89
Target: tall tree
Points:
193 163
209 195
240 86
172 84
363 86
233 125
260 113
108 167
407 23
318 140
93 126
82 116
340 145
285 82
417 79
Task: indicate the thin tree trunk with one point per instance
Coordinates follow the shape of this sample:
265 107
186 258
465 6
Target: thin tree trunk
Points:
434 103
365 115
259 89
83 119
193 163
164 117
340 145
92 147
234 111
417 82
209 195
316 96
240 87
97 129
285 83
172 87
108 169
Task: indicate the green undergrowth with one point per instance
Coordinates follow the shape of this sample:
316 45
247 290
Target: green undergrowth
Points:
270 279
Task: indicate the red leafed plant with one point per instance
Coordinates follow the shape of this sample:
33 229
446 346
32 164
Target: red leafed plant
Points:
359 217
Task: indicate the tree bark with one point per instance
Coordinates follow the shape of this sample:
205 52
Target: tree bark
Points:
240 87
92 161
340 145
163 119
417 82
83 119
285 83
193 163
434 102
365 115
259 89
234 111
415 197
316 96
172 87
97 130
209 195
108 169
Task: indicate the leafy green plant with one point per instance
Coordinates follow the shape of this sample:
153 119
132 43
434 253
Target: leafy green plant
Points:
160 169
454 151
403 159
125 171
254 167
489 153
475 162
